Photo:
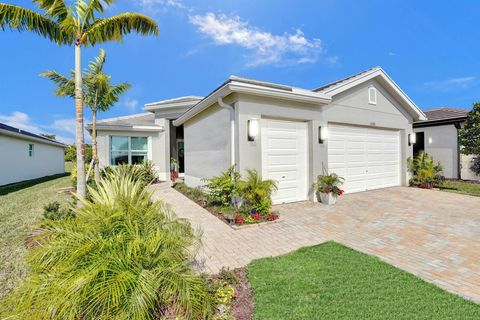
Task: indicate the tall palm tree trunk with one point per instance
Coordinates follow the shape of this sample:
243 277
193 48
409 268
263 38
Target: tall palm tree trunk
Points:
94 146
81 184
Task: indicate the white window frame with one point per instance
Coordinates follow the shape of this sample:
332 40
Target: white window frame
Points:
148 153
371 90
31 150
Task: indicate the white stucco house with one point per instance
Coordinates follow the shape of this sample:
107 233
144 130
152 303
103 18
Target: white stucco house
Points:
28 156
359 127
438 136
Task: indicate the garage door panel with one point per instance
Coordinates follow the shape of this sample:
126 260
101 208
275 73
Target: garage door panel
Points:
284 158
368 158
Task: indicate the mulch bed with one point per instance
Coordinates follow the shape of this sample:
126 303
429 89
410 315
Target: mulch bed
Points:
242 307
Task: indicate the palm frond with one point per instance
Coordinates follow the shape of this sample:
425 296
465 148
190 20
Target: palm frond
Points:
57 9
22 19
112 96
114 28
86 10
66 86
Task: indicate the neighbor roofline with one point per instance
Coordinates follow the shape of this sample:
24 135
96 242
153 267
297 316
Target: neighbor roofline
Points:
32 138
254 87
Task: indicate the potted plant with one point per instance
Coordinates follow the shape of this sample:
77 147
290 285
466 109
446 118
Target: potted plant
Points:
327 188
174 168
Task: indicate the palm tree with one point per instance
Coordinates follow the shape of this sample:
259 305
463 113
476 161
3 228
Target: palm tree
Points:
99 94
76 24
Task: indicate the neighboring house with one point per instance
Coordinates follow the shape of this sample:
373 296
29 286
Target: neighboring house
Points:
28 156
358 127
438 136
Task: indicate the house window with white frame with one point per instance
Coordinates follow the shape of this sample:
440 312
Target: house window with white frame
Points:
30 149
128 150
372 95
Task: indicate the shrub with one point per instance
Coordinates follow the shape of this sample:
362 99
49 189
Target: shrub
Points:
222 188
257 192
329 182
144 173
475 166
425 172
228 275
123 257
53 211
73 174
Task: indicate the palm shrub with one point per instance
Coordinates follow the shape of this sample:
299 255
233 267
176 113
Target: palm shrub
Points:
223 187
256 191
124 256
145 172
426 173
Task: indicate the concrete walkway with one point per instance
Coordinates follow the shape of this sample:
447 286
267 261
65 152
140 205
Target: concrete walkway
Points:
434 235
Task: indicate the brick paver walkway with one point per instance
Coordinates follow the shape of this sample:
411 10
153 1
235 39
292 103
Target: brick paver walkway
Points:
432 234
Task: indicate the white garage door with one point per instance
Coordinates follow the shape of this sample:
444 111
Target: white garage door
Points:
368 158
284 158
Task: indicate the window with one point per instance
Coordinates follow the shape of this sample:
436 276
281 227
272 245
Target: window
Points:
30 150
372 95
128 150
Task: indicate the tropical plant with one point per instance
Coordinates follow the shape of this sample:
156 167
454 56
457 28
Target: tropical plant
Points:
99 94
424 170
257 192
469 136
71 153
54 211
223 187
124 256
329 183
145 173
76 24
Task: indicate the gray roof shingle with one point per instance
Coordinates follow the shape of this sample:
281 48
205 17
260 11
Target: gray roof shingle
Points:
445 113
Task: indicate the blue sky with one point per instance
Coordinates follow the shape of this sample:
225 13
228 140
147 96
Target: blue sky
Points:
430 48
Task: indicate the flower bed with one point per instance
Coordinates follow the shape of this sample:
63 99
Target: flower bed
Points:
228 214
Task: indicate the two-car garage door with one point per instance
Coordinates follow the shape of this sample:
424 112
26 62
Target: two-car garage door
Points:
368 158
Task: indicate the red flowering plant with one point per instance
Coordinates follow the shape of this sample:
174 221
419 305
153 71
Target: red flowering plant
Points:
257 216
329 183
239 220
272 216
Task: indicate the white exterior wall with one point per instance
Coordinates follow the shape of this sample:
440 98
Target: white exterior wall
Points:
158 148
441 142
16 164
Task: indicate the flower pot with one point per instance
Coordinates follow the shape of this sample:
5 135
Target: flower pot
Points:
327 198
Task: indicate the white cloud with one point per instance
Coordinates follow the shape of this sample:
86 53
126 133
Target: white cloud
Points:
153 6
64 129
391 54
265 47
131 104
451 83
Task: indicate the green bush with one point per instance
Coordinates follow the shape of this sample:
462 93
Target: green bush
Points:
124 256
425 172
53 211
257 192
73 174
222 188
145 173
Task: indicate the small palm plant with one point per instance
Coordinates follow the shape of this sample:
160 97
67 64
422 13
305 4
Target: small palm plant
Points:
257 192
425 171
328 186
124 256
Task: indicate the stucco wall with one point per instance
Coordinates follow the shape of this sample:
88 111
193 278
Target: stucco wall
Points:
465 163
16 164
207 144
441 143
158 145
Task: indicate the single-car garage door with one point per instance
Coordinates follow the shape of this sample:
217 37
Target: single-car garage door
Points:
368 158
284 158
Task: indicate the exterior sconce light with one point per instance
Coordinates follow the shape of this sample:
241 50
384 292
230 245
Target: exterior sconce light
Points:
412 138
253 128
322 134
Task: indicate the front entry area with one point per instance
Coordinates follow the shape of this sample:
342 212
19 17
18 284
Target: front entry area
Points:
368 158
284 158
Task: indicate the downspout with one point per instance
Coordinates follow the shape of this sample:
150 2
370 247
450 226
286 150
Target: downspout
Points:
459 169
224 105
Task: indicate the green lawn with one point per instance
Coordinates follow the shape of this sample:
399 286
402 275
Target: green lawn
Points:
330 281
21 207
461 187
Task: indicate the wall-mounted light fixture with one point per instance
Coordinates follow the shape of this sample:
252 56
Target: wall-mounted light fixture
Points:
412 138
253 128
322 134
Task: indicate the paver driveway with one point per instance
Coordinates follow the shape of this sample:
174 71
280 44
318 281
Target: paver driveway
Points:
434 235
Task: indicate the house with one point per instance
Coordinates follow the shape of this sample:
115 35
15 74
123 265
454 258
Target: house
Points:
438 136
359 127
28 156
